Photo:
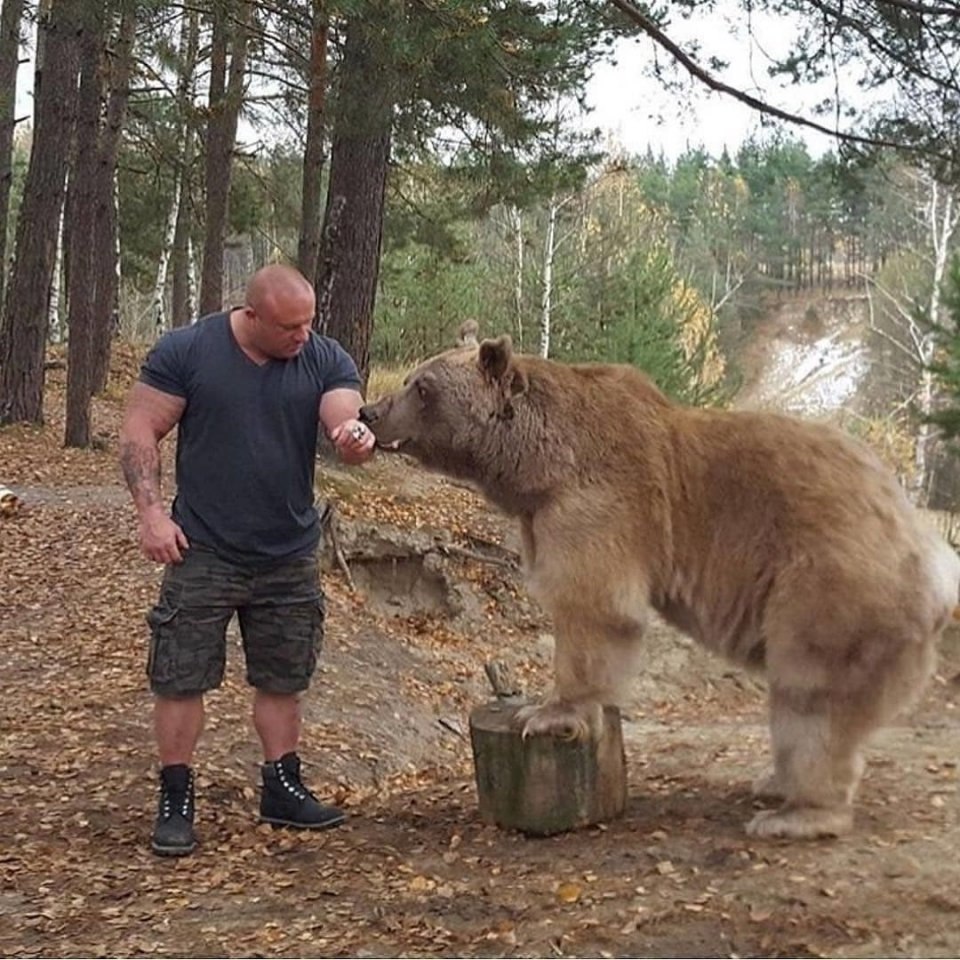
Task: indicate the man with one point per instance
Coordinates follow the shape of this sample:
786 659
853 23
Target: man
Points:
246 389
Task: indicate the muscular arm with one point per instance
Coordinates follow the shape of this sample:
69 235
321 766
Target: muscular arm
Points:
338 414
149 416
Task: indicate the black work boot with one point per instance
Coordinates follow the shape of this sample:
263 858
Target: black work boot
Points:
173 833
286 802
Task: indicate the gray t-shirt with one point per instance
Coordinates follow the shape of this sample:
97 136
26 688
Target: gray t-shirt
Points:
247 440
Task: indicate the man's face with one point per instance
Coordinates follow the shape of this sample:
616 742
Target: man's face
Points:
283 327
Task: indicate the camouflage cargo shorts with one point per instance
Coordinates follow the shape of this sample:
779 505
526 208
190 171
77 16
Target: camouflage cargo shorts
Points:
280 610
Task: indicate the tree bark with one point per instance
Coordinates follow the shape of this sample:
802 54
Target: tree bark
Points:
10 18
24 332
358 176
181 296
83 204
182 307
942 220
106 250
226 96
157 308
516 219
542 785
546 291
308 247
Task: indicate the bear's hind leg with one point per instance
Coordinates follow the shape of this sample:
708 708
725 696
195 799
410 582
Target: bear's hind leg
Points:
817 766
593 662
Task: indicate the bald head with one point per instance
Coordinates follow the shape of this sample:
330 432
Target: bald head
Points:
278 314
278 290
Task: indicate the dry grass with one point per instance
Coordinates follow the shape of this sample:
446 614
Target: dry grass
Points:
384 380
892 440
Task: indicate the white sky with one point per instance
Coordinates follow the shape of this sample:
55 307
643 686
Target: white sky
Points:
635 111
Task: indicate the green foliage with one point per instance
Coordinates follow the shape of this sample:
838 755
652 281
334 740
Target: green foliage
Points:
425 297
947 367
617 294
642 317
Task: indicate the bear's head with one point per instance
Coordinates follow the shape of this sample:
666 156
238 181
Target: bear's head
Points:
450 407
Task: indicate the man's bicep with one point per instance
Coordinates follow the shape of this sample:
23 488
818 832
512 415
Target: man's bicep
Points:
153 409
339 404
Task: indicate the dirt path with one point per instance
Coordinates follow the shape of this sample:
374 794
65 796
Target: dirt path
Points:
414 872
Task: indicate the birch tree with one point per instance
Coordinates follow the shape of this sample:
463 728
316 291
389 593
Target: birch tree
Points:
10 17
182 305
907 315
311 210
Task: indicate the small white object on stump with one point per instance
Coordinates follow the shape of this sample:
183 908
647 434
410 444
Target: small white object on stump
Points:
543 785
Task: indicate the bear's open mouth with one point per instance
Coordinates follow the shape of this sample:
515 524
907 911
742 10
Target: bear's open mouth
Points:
391 447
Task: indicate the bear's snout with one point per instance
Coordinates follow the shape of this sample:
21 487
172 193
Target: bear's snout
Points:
367 415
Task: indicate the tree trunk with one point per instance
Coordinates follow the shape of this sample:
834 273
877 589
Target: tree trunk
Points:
516 218
543 785
181 307
308 247
181 300
226 96
942 222
83 204
10 18
106 252
56 328
358 177
24 332
546 294
157 308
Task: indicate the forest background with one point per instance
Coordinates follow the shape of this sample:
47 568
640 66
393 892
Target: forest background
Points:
425 163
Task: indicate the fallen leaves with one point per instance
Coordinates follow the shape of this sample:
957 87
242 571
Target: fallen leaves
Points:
569 892
413 872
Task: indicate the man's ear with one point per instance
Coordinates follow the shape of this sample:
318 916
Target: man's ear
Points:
495 356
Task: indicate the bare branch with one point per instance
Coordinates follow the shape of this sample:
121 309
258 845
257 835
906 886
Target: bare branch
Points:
694 69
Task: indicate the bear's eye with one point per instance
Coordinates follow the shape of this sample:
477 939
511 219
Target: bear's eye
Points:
425 386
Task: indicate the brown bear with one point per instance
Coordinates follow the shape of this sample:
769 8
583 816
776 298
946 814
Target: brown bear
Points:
784 545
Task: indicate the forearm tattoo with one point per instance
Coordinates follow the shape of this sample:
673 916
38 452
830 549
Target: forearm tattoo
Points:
141 470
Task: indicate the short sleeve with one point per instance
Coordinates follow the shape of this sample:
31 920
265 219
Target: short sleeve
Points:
338 369
165 367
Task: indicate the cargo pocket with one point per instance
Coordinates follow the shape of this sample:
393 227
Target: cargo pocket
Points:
162 652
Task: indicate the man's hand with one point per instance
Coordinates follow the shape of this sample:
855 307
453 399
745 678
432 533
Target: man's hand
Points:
353 441
161 539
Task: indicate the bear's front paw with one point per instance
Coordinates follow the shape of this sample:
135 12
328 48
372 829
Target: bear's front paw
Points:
557 718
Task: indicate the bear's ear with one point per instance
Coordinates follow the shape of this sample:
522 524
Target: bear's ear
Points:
518 382
495 357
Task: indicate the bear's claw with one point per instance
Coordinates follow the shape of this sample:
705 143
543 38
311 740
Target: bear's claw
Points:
565 721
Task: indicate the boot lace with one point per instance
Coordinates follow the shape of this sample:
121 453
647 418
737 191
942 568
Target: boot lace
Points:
173 800
292 783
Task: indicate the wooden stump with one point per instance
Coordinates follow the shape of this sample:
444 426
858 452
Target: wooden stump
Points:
544 785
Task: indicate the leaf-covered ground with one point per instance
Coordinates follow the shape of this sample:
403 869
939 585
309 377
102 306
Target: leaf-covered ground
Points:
414 872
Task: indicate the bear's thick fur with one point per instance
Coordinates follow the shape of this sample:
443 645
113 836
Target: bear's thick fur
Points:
784 545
